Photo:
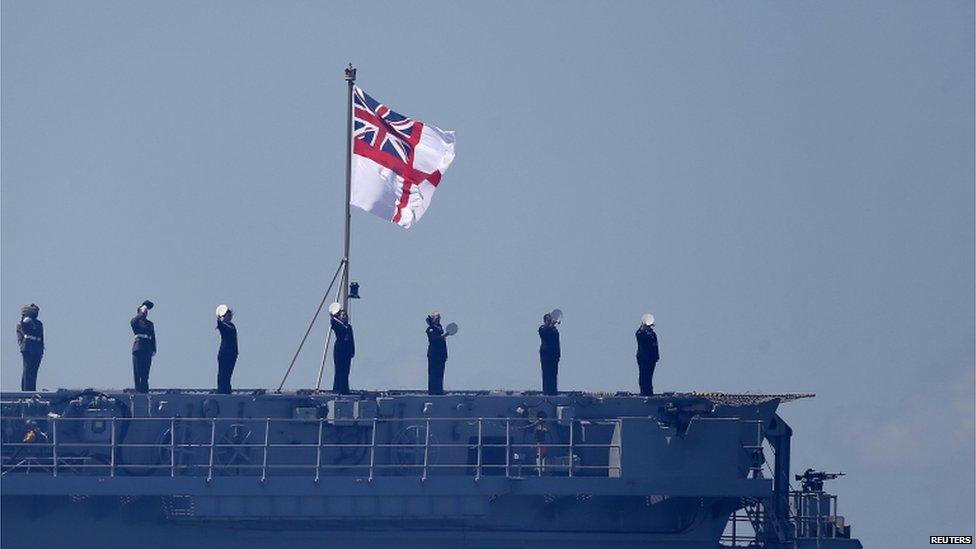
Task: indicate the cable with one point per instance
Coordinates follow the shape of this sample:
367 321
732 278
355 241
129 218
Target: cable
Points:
342 264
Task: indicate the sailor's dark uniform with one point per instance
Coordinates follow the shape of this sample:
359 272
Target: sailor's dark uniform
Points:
647 357
436 358
549 356
30 339
345 349
143 349
226 356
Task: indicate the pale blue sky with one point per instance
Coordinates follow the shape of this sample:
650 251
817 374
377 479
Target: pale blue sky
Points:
788 187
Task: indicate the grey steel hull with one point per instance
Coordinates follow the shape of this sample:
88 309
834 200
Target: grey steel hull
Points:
42 521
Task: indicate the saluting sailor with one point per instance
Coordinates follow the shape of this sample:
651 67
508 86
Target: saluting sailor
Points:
227 354
647 354
436 354
549 354
144 346
345 348
30 339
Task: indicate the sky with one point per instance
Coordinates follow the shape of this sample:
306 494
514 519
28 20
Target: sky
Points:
787 186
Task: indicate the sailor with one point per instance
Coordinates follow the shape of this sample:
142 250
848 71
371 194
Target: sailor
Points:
144 346
227 355
549 354
647 354
436 354
345 349
30 339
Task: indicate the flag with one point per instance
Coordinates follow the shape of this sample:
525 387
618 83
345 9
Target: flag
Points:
397 162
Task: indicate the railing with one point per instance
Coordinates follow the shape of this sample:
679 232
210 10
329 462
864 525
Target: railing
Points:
815 515
812 514
754 429
262 447
744 526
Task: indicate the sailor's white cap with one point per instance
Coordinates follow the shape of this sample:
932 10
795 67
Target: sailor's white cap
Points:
222 310
334 308
647 319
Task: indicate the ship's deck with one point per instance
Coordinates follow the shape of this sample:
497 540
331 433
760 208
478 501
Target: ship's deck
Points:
718 398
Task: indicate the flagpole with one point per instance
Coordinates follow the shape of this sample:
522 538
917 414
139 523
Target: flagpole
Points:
351 81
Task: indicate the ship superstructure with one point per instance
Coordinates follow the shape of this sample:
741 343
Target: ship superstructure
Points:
190 468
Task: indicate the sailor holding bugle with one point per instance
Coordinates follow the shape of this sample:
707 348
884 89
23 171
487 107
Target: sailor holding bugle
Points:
143 347
345 348
227 354
437 352
30 339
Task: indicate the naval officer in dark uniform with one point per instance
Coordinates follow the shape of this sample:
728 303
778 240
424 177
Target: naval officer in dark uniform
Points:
30 339
647 355
549 354
436 354
144 346
345 349
227 354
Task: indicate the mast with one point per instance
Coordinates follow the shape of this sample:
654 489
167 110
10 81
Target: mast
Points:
351 81
342 273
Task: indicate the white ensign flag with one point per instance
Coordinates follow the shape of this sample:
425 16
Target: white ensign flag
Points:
397 162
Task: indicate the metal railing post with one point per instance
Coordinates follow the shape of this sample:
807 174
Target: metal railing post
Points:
477 475
508 448
759 441
819 518
213 440
538 451
833 500
539 460
172 447
54 444
264 465
570 461
372 452
318 453
111 463
735 521
426 450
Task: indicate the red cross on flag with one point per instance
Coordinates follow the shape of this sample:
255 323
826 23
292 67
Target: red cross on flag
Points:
397 162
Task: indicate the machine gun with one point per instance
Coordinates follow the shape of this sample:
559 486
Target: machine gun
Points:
812 481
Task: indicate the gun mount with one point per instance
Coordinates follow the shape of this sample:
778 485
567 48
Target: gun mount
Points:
813 481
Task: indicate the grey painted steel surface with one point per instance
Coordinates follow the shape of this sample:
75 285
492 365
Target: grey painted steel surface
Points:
663 471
